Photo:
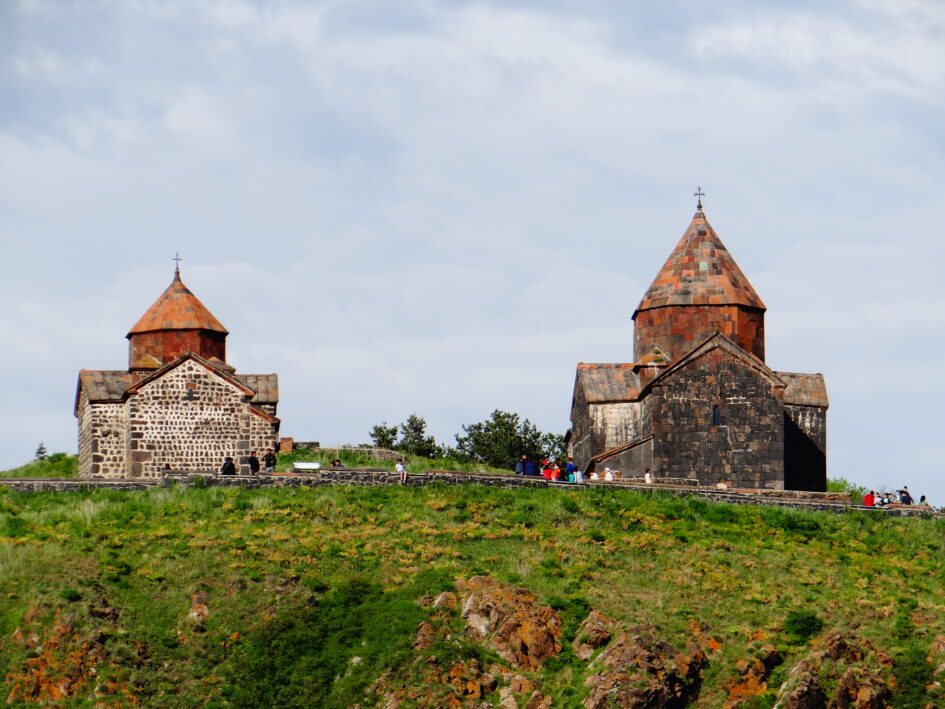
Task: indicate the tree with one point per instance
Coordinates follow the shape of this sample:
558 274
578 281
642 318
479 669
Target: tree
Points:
503 438
413 438
384 436
41 451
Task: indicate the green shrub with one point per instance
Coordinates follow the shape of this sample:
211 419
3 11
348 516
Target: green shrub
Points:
306 657
70 594
912 673
803 624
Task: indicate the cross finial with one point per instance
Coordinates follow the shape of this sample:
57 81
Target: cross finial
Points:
177 259
700 194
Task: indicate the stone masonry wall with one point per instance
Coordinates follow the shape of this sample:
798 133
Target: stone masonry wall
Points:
812 420
101 439
677 329
191 418
599 427
800 500
85 436
746 450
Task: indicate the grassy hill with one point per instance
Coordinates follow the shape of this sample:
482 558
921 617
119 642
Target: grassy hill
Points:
309 597
57 465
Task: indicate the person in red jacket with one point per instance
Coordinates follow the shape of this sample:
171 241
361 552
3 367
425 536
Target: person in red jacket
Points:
869 499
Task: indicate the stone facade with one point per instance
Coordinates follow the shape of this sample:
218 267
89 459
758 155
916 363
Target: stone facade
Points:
173 408
699 402
719 421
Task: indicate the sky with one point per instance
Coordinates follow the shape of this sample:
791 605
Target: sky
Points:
441 207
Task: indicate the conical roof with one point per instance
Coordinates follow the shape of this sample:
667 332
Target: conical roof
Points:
700 271
177 309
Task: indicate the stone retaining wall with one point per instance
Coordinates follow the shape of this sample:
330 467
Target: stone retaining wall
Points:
827 502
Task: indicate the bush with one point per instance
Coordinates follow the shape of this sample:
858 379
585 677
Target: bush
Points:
803 624
913 673
70 594
305 657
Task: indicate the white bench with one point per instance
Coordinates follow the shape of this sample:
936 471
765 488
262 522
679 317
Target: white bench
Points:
299 465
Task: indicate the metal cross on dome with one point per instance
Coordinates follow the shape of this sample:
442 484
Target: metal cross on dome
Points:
177 259
700 194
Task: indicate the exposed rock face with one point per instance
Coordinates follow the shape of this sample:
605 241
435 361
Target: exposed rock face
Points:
753 675
594 633
640 672
860 674
509 621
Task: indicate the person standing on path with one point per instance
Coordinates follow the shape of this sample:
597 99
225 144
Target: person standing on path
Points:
269 460
253 463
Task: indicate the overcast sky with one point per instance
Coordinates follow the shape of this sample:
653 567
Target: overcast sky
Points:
441 207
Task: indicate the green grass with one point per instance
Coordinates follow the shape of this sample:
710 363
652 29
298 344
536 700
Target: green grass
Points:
57 465
282 568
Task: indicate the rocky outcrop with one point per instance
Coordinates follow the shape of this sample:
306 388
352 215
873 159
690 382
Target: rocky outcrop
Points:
595 631
861 677
638 671
509 621
753 672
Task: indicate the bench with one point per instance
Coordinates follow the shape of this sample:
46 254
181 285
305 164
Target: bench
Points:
299 465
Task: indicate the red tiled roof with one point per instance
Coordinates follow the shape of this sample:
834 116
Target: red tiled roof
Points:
700 271
608 382
177 309
804 389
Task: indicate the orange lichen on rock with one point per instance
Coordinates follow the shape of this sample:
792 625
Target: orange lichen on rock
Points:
509 621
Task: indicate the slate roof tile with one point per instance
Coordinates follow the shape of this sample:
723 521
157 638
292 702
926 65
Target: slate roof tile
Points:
177 309
700 271
608 382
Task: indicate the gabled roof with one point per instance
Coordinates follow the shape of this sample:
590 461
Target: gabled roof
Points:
114 386
134 388
177 309
700 271
804 389
607 382
102 385
718 340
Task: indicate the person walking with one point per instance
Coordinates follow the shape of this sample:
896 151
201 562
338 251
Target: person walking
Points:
401 470
253 463
269 460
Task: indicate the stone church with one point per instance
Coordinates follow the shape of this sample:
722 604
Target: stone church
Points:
179 405
698 401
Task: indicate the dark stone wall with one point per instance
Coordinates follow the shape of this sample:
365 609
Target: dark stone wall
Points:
631 463
805 464
746 449
676 329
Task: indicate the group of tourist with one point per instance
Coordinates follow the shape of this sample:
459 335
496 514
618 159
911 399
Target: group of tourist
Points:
549 469
552 470
899 497
269 461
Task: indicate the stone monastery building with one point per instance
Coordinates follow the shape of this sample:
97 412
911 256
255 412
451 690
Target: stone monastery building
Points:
698 401
179 405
